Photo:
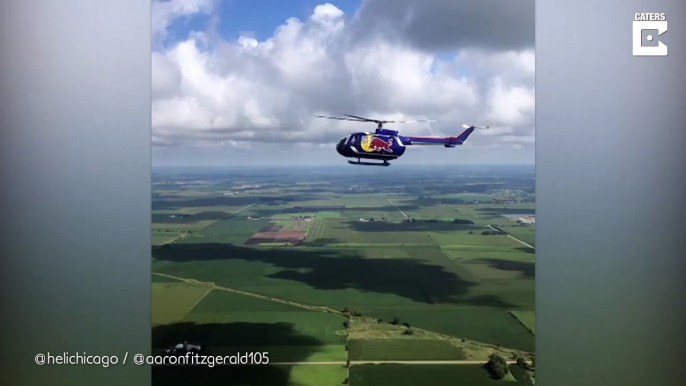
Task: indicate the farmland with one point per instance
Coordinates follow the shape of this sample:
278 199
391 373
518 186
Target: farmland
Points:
403 375
317 265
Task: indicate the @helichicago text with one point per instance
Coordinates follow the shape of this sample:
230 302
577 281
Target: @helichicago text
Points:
78 358
192 359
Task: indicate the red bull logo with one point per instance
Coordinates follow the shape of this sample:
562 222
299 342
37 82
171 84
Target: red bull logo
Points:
372 143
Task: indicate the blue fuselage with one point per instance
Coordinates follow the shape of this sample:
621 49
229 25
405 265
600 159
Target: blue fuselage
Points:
371 146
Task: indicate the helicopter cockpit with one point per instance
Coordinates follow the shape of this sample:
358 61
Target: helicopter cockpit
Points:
340 148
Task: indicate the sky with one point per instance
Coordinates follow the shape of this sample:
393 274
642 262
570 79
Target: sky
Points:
239 82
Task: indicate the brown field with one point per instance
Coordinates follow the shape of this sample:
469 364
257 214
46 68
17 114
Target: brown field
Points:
275 233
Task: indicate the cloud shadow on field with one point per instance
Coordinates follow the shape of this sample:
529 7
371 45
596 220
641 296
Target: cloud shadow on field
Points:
182 218
325 241
229 339
342 209
180 202
526 268
522 211
405 226
414 279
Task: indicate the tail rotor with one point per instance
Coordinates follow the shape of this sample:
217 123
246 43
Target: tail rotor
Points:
466 126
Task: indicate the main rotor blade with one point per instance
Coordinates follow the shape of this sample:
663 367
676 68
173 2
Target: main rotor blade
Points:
356 118
413 121
364 119
342 119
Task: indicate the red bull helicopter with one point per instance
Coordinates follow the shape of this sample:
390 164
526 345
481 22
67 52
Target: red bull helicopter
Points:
387 145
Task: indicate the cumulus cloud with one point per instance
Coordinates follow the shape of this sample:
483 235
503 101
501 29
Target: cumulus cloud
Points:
166 11
449 24
244 91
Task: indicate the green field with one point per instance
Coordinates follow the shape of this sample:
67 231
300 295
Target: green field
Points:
159 238
229 231
425 280
229 322
267 375
172 301
526 234
163 279
527 318
434 375
521 375
420 284
403 349
305 375
494 327
360 252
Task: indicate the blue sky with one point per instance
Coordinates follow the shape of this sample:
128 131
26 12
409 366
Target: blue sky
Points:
260 18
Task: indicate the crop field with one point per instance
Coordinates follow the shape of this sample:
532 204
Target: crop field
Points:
493 327
172 301
404 350
355 232
160 238
404 375
290 232
230 323
360 278
525 233
268 375
267 262
227 231
527 318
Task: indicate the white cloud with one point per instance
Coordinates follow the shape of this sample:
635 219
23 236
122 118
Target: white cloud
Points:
510 105
249 91
165 11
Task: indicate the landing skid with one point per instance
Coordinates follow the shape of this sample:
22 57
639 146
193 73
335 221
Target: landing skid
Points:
358 162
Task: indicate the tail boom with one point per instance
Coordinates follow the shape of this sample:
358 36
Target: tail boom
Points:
445 141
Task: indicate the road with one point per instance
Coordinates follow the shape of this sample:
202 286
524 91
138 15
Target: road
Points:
245 207
515 239
452 362
246 293
403 213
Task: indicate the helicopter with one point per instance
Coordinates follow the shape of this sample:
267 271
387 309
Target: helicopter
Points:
387 145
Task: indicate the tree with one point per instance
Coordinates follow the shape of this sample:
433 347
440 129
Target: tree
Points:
396 321
379 320
408 332
500 371
406 324
521 362
347 362
346 381
346 310
346 323
497 366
